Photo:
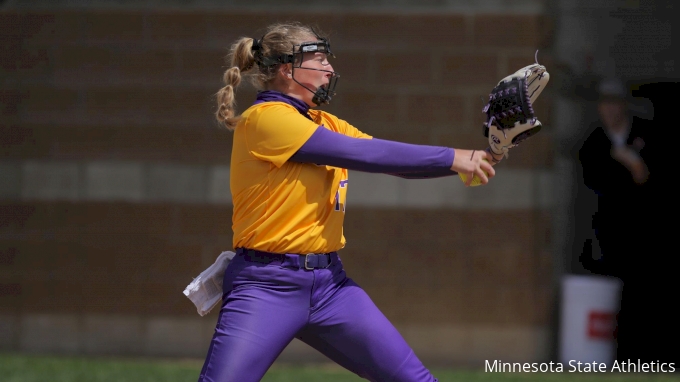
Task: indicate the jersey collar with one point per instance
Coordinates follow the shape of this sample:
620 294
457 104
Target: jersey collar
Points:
274 96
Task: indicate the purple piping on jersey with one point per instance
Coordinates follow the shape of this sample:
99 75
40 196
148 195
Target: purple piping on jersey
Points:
329 148
274 96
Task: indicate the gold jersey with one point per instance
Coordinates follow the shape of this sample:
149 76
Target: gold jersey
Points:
282 206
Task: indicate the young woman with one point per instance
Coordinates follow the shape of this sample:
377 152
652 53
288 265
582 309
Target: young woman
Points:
289 181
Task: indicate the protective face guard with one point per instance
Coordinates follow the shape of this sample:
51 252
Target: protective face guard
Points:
315 47
322 95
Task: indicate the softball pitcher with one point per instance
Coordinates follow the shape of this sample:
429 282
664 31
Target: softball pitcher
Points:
289 182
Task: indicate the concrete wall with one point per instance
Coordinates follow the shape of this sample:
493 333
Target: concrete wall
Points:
114 189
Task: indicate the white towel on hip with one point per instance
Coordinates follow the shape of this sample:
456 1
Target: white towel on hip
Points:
206 289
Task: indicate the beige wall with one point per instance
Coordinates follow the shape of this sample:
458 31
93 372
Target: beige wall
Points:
114 173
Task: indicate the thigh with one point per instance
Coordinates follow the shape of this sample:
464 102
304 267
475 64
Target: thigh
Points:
351 330
263 308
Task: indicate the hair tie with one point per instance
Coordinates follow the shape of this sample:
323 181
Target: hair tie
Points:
257 45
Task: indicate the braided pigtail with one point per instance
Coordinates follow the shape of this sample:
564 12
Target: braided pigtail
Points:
241 59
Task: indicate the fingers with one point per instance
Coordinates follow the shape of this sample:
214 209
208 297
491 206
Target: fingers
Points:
474 163
484 171
469 180
482 176
488 169
482 168
483 162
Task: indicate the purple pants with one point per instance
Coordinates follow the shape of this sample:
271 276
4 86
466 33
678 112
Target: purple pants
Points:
268 303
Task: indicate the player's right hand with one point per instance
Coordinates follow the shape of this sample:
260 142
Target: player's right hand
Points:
473 162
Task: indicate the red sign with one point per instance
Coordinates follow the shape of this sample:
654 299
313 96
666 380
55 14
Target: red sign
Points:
601 325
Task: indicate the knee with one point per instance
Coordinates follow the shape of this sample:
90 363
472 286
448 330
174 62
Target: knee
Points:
412 369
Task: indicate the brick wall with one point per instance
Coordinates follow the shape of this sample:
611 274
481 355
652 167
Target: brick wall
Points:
96 104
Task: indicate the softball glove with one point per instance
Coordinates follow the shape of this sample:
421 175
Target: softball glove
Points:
510 117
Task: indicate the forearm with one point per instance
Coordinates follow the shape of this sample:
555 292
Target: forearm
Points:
325 147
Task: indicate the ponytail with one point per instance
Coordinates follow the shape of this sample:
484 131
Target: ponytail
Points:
241 60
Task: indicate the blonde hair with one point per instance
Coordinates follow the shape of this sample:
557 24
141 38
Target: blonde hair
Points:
243 61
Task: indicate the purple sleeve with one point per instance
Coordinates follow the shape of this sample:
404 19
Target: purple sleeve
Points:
425 174
329 148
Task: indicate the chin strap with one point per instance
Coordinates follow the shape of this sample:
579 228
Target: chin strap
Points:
322 95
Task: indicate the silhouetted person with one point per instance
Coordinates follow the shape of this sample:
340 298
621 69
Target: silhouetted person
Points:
617 163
